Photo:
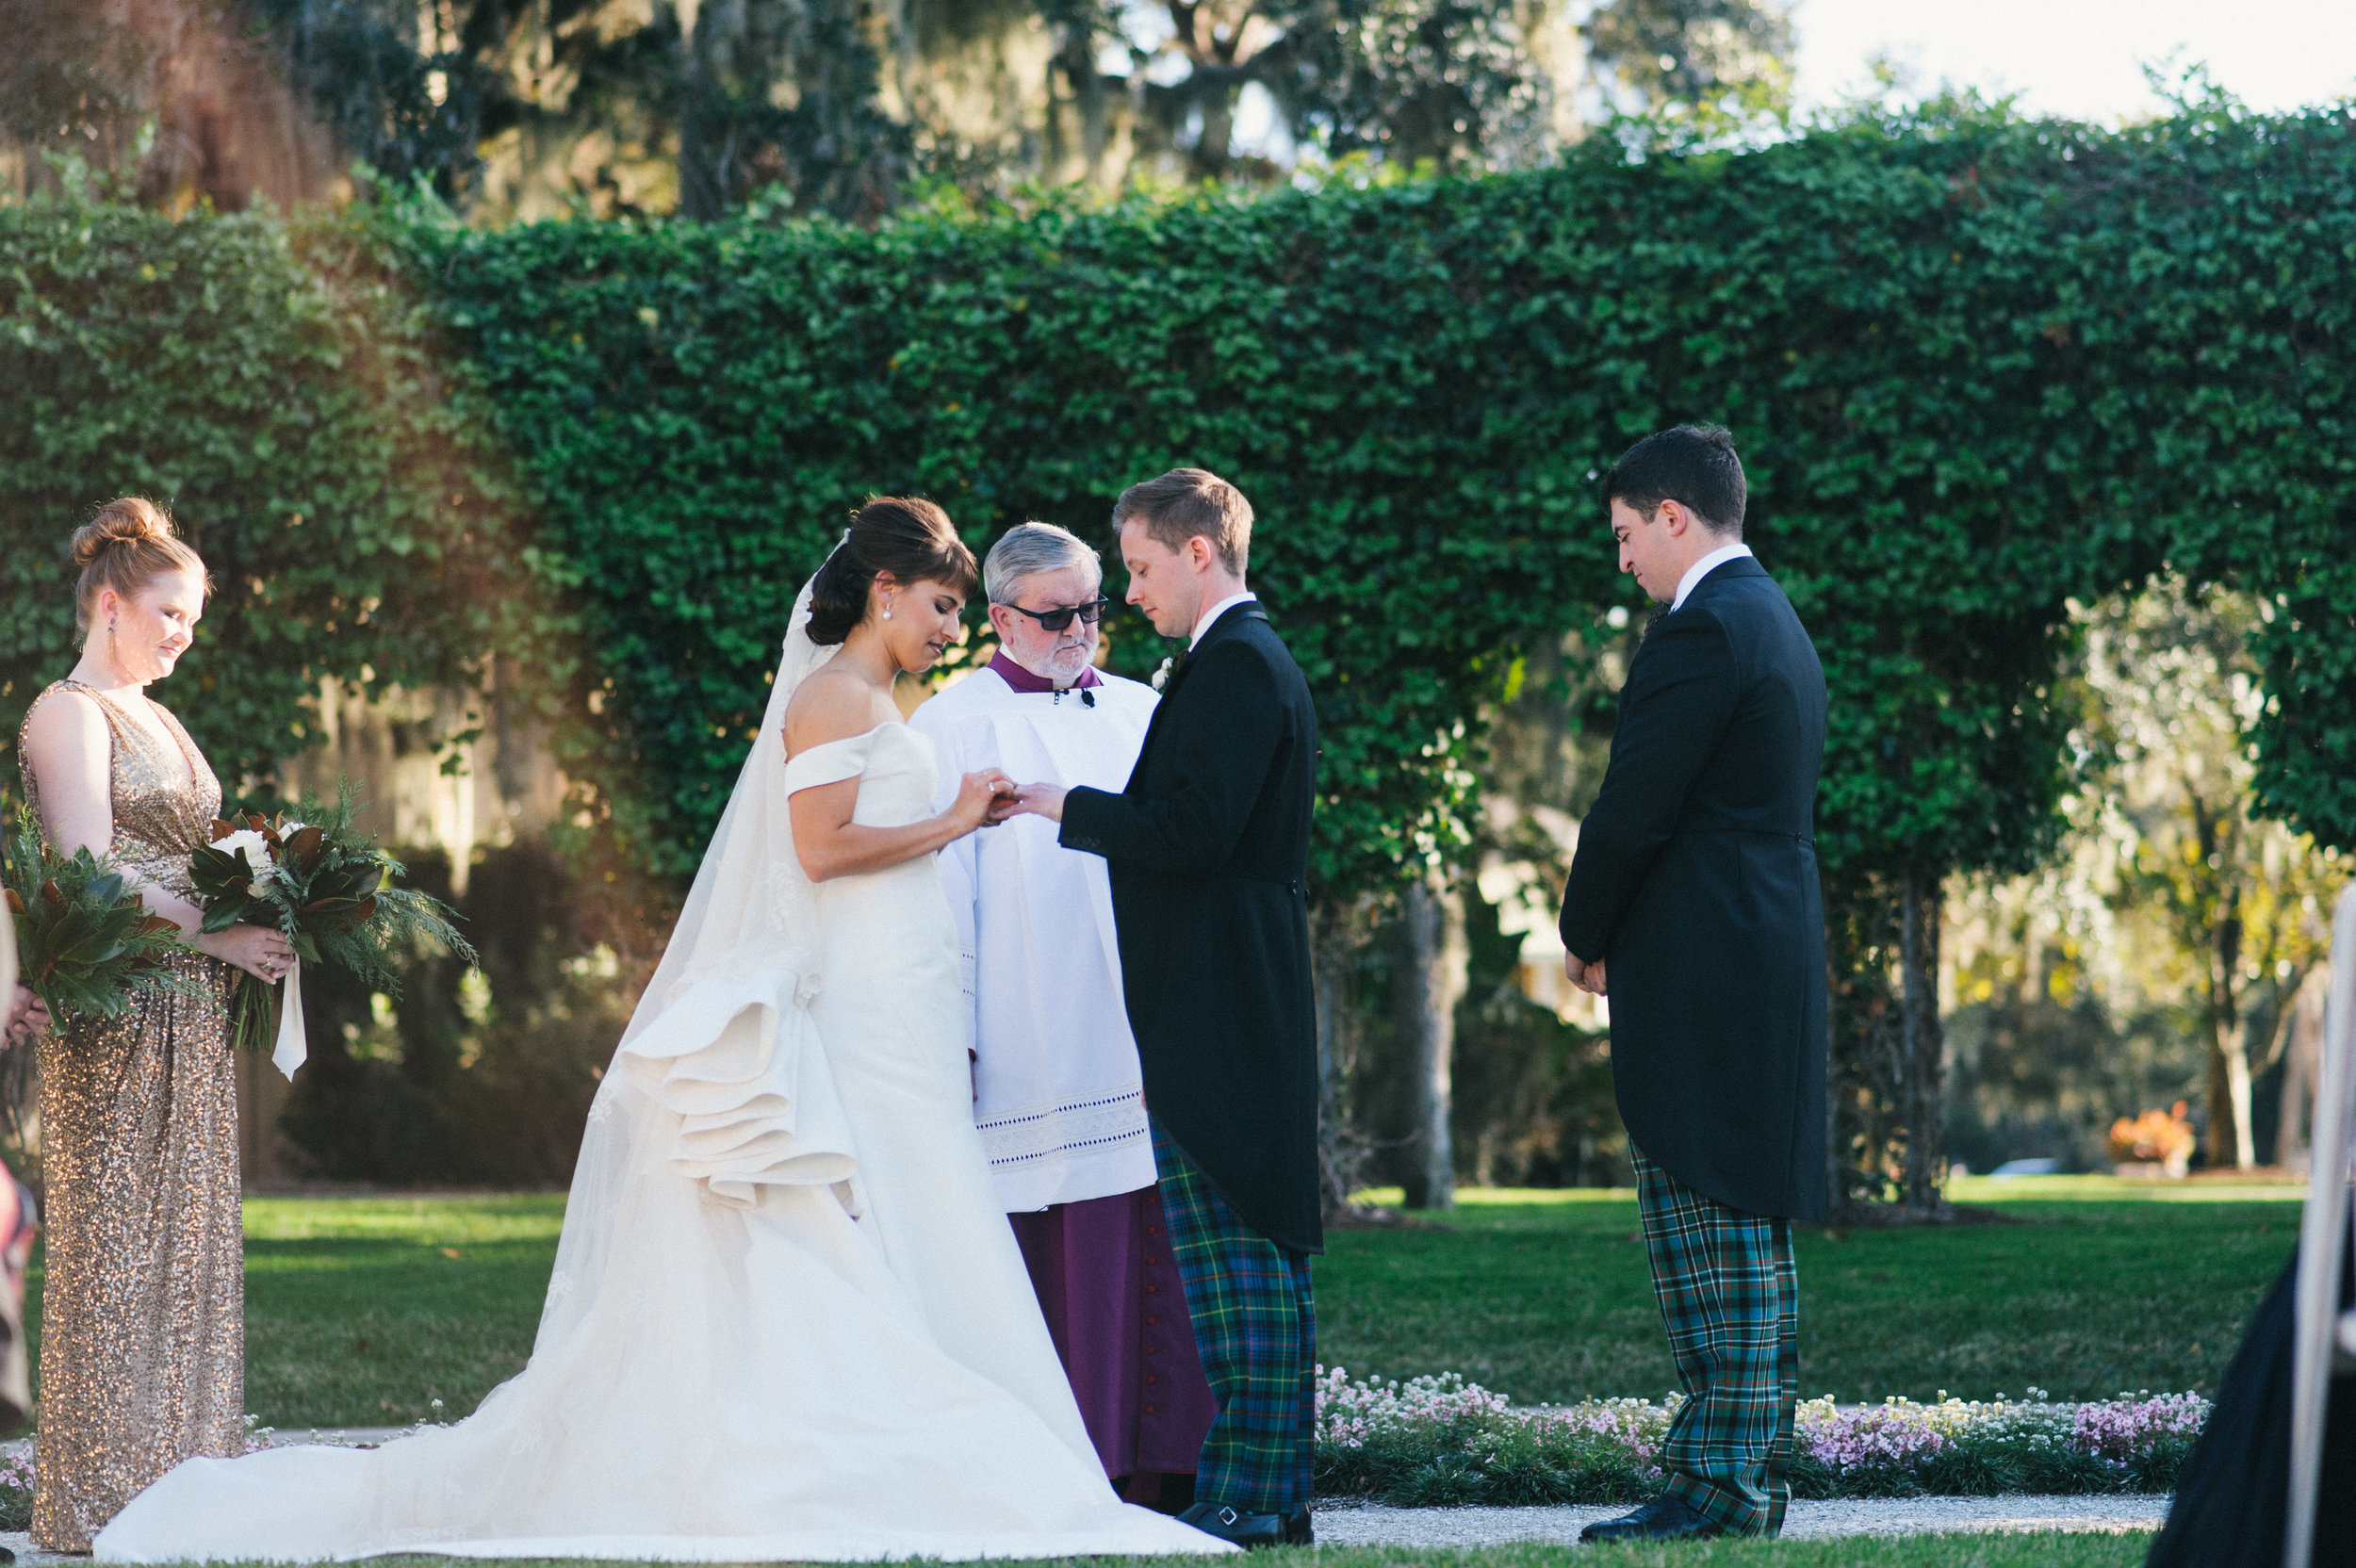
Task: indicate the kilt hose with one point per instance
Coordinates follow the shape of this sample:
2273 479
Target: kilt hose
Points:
1256 1329
1729 1295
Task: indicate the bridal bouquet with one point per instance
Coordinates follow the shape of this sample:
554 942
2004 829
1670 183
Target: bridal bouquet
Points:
330 889
86 944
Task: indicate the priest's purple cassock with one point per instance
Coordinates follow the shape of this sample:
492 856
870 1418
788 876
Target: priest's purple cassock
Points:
1057 1089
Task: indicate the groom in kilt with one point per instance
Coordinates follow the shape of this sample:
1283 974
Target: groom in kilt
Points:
1693 904
1208 846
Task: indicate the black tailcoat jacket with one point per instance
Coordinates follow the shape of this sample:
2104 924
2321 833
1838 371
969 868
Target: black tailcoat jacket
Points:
1209 853
1695 881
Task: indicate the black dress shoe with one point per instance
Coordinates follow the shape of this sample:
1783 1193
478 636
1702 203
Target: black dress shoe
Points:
1249 1530
1298 1530
1662 1519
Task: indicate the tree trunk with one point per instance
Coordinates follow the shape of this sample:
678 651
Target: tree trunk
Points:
1885 1081
1921 897
1342 1152
1427 983
2303 1061
2231 1140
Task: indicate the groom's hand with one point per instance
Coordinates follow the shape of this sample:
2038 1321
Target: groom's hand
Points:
1040 800
1586 976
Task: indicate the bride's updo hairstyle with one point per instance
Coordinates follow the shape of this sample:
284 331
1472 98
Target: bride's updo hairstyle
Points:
127 545
909 537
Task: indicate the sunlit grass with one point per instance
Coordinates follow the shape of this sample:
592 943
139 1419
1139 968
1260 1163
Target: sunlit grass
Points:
364 1311
2101 1286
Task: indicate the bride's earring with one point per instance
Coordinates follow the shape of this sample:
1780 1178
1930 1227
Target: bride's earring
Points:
887 610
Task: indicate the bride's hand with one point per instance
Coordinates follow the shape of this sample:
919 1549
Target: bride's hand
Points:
977 795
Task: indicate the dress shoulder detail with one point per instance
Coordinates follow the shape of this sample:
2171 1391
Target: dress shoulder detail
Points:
831 761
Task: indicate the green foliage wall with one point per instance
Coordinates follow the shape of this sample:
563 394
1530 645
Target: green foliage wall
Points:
272 385
1978 367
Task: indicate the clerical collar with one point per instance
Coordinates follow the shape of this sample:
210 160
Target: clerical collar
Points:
1025 680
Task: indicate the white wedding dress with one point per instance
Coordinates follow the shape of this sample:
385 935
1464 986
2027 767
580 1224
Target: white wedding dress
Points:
787 1319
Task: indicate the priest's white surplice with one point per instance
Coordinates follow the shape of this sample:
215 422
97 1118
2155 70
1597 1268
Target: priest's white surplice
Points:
1059 1095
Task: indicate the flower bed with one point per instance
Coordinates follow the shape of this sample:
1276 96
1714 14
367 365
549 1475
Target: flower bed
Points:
1444 1443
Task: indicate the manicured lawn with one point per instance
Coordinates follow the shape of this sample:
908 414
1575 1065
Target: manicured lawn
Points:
2104 1286
362 1311
1921 1551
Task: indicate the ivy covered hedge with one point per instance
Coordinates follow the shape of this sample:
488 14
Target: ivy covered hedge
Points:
1977 365
282 390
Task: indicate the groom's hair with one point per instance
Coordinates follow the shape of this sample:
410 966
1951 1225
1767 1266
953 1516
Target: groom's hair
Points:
1185 502
1694 465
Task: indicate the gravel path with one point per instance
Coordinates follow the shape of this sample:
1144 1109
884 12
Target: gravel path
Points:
1373 1525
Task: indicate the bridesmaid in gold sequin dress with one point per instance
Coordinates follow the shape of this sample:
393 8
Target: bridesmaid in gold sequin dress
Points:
143 1312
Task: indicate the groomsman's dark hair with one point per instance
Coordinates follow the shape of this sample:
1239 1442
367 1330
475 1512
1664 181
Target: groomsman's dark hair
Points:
1694 465
1185 502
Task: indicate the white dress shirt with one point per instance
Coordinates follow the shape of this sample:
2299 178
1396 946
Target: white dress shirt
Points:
1218 609
1705 566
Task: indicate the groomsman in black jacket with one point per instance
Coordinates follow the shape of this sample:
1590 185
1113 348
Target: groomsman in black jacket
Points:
1209 850
1695 884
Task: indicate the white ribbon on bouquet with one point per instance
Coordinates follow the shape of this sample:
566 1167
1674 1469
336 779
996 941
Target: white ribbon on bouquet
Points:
294 1047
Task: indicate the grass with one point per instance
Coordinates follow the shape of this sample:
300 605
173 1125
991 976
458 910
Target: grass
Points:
362 1311
2102 1286
2009 1549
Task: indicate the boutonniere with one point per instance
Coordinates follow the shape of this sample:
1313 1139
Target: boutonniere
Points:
1161 676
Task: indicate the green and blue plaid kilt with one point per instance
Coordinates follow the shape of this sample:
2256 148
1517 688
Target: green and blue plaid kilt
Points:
1729 1293
1256 1328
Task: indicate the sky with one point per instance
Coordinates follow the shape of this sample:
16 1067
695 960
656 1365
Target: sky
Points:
2081 58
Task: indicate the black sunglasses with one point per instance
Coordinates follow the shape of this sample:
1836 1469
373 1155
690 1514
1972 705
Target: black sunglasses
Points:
1055 620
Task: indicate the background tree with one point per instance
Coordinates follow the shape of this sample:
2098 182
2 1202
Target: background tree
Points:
2239 905
1730 58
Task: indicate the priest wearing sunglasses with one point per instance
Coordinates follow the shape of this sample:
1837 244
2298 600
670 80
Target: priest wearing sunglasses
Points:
1057 1088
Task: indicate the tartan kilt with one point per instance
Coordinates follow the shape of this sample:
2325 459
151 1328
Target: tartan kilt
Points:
1255 1324
1729 1295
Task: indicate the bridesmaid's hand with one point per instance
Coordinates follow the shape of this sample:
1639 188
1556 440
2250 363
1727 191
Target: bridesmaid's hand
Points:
264 954
28 1019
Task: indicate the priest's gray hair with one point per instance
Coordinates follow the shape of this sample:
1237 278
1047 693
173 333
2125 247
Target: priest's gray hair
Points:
1030 549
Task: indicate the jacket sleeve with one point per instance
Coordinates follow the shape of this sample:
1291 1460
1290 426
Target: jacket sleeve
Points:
1679 696
1222 729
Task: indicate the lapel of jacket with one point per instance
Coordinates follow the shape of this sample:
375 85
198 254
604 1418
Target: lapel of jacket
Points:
1248 610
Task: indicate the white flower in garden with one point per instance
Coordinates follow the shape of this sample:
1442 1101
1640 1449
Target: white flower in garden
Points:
257 854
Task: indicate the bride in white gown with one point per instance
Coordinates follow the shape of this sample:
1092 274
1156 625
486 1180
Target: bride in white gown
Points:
787 1319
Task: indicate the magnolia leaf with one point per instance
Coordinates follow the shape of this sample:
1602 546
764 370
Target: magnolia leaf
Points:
304 846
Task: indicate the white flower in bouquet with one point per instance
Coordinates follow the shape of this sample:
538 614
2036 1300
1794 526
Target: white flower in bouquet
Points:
257 855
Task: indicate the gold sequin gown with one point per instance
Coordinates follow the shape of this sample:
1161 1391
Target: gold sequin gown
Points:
143 1323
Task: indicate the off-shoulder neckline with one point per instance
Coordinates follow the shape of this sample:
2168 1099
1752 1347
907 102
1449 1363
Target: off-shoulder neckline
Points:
848 740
